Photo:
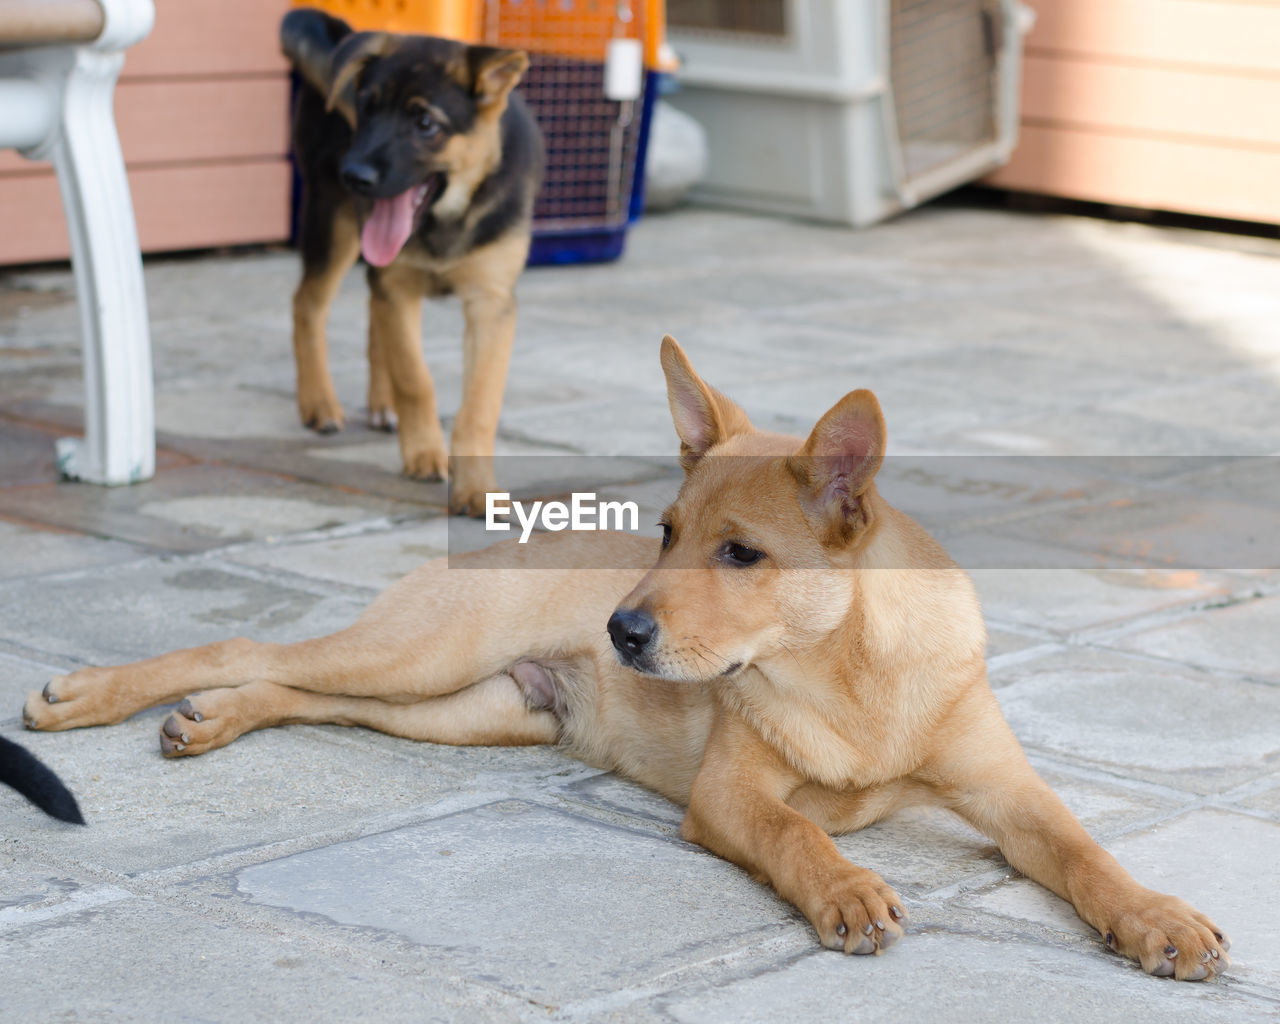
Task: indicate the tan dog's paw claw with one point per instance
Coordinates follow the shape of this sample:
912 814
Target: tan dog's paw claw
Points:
1170 939
52 707
861 915
189 730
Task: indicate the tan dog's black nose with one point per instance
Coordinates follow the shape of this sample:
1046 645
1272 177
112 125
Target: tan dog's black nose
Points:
631 632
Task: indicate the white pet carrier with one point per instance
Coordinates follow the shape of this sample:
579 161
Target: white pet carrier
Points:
848 110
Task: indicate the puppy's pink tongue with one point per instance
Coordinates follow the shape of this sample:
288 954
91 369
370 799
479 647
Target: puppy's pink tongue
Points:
388 228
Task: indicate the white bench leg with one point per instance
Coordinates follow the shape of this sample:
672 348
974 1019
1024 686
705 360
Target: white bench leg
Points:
119 442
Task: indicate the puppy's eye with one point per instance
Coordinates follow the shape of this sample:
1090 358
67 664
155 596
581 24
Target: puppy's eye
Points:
428 126
666 535
740 554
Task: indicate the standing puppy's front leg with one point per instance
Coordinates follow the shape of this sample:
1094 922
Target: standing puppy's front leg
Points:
485 282
330 243
395 326
980 771
737 810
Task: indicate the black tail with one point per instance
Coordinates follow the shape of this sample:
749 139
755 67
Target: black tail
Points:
308 38
21 770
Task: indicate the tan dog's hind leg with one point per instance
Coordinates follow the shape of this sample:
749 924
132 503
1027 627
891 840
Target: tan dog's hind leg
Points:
395 344
981 772
317 400
737 809
485 281
440 629
491 712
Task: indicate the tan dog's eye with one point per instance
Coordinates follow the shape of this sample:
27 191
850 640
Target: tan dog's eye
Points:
740 554
428 126
666 535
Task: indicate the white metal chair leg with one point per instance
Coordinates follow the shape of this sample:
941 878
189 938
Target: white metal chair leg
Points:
56 104
119 442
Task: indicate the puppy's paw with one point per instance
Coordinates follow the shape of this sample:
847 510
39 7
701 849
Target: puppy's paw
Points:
204 721
470 486
858 913
426 461
383 418
1170 938
320 410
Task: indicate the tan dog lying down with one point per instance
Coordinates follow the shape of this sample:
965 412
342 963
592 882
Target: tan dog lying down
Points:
801 660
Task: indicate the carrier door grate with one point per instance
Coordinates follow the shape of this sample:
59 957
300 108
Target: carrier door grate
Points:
943 68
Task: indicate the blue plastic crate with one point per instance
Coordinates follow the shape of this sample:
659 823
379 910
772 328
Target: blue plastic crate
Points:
596 149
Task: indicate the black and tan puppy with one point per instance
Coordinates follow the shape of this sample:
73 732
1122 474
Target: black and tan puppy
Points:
414 152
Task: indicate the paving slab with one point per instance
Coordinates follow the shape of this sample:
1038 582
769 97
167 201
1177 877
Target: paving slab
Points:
610 907
123 613
1066 600
1243 638
34 549
197 507
1158 722
1171 857
147 813
137 959
945 976
23 885
1165 530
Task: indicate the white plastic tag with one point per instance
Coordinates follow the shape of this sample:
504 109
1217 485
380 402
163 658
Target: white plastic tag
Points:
623 69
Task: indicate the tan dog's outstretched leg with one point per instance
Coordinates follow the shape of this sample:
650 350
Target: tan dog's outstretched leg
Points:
395 347
981 772
738 809
485 281
326 261
494 712
445 626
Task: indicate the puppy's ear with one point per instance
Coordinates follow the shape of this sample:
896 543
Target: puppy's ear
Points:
703 417
837 464
495 72
350 58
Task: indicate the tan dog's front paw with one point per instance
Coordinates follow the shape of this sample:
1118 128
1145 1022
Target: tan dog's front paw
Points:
320 410
1170 938
858 913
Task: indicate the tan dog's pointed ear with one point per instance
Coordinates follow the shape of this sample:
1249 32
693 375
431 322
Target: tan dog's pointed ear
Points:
703 417
495 72
350 57
837 464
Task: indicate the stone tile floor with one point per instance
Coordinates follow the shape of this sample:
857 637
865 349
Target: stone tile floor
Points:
1103 382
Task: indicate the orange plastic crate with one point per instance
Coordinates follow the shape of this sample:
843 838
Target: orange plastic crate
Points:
565 28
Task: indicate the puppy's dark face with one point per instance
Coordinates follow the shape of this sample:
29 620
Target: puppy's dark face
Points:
424 114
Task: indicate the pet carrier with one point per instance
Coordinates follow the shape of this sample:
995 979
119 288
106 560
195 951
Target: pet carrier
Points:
848 111
595 144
